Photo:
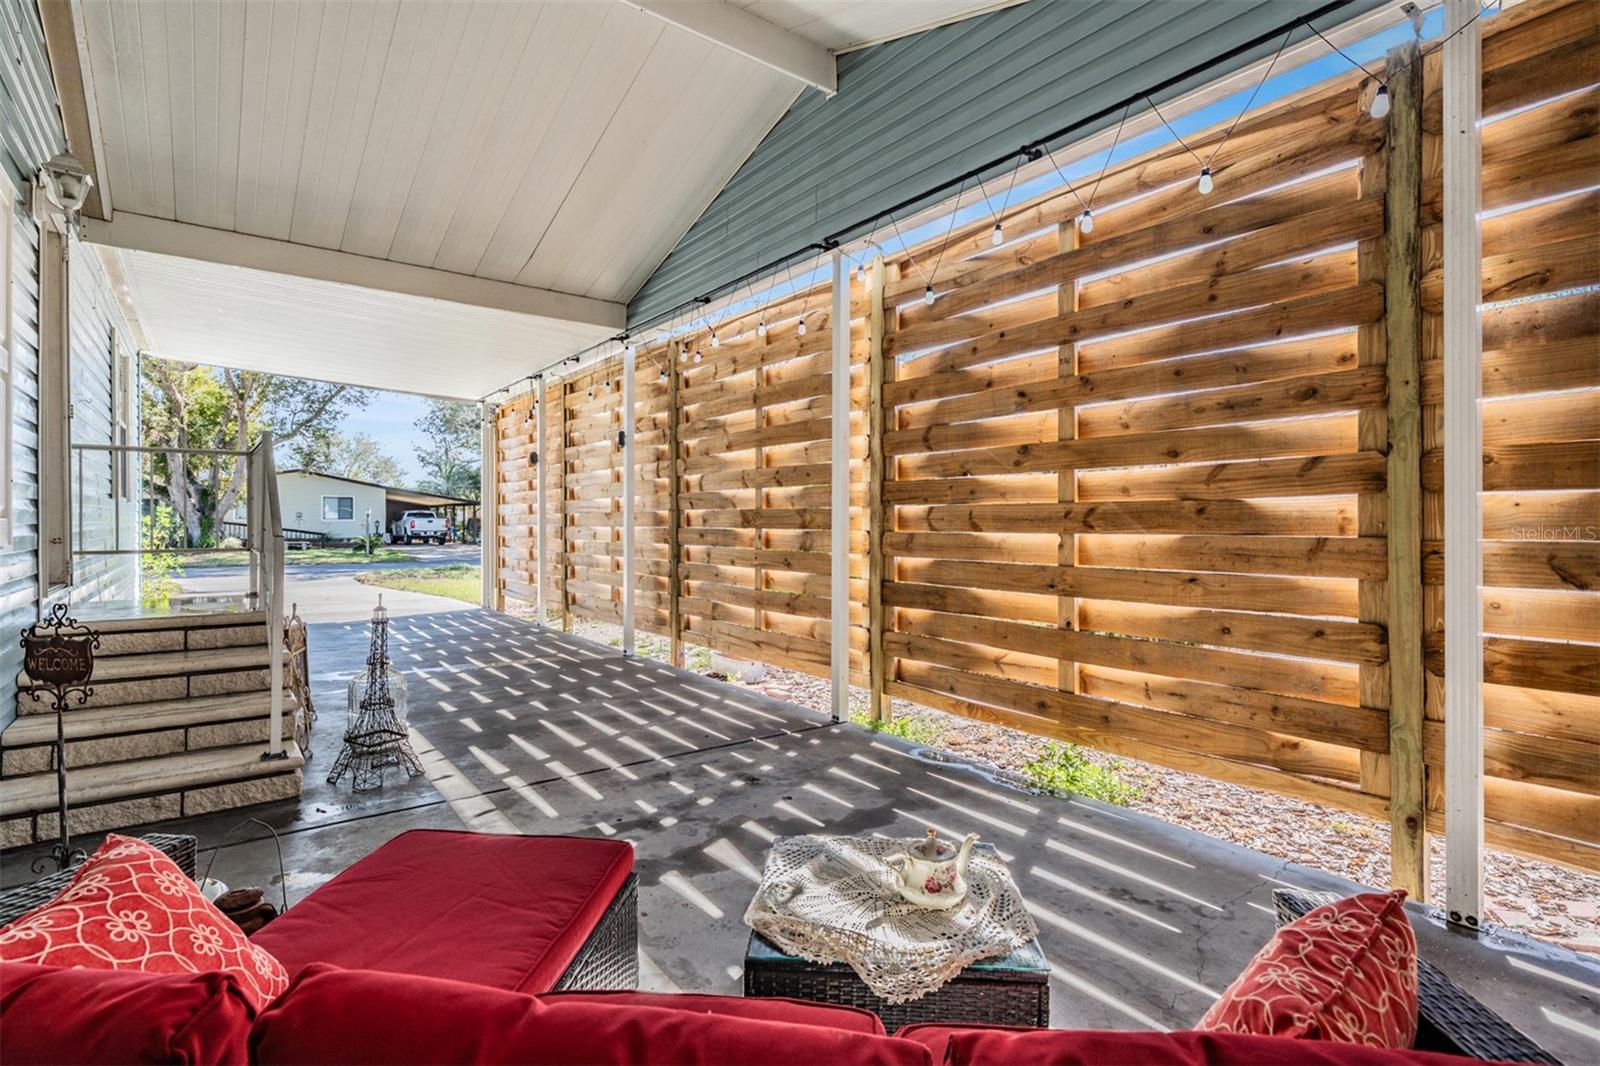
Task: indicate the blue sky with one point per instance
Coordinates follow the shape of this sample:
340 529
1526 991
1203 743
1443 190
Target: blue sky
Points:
390 419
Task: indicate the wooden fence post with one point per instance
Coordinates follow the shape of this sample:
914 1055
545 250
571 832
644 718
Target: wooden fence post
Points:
674 514
1403 328
1067 239
877 511
561 547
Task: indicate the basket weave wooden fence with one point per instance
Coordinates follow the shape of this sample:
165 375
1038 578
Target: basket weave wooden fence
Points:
1170 488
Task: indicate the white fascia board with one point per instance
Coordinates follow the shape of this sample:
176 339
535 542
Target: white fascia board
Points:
755 38
162 236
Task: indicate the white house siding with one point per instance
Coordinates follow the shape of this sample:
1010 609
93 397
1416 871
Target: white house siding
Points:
96 318
300 498
30 133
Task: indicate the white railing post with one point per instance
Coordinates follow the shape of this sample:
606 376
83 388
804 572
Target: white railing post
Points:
1463 466
252 521
839 542
488 512
268 527
627 498
539 493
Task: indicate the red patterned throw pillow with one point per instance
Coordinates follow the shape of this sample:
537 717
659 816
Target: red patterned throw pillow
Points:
130 908
1345 972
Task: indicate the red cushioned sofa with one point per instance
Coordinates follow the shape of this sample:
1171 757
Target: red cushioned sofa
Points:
445 947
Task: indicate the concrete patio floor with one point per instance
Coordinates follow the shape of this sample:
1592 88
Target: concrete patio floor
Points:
528 730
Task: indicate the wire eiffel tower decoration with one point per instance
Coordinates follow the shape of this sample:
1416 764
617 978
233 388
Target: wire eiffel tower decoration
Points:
375 727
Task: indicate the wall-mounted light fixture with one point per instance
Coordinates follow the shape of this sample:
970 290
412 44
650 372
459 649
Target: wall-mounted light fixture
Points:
63 185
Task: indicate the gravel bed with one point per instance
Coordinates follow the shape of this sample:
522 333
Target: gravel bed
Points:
1537 898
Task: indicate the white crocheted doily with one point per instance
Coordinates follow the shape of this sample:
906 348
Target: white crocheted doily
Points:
832 899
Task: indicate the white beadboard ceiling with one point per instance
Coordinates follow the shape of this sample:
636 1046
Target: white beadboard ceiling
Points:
249 319
562 146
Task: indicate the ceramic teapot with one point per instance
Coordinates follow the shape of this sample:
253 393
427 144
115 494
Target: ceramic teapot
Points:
932 872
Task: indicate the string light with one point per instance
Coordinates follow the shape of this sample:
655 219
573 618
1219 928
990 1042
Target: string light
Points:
801 328
697 355
716 342
1380 102
998 237
1378 107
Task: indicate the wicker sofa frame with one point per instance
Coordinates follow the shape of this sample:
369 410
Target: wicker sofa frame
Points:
608 959
1449 1018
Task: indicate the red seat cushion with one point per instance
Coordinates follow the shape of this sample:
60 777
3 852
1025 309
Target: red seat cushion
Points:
129 907
1347 971
364 1017
506 911
49 1014
972 1045
761 1008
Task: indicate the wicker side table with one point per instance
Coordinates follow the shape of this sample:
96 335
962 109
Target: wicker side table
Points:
1014 990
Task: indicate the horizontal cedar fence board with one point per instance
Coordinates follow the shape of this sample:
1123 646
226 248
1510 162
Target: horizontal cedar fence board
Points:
1138 488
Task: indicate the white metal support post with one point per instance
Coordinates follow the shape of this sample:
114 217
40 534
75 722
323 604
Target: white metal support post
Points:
488 512
538 491
839 535
1463 466
627 499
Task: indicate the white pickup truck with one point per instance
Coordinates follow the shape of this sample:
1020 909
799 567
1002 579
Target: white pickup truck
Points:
418 525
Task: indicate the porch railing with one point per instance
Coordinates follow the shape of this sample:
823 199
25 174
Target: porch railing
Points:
263 538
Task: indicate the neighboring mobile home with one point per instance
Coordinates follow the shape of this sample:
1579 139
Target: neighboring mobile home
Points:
342 508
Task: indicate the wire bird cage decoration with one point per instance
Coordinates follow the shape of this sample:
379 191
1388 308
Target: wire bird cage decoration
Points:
375 724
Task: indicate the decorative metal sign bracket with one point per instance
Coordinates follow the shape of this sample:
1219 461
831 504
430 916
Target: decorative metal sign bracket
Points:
58 657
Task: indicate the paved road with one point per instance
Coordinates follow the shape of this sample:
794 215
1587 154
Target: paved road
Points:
419 555
331 593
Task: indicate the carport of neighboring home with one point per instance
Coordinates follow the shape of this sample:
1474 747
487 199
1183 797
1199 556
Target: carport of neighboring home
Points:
342 508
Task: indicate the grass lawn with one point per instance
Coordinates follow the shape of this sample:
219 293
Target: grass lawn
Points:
458 581
296 557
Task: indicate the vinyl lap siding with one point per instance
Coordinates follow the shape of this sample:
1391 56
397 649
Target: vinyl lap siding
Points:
96 317
30 126
922 109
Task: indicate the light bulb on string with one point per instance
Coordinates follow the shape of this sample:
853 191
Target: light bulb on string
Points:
801 328
1205 184
662 376
998 237
1086 221
1380 102
716 342
697 355
928 296
761 328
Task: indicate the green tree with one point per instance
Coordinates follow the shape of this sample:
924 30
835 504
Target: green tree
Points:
353 455
184 406
450 453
